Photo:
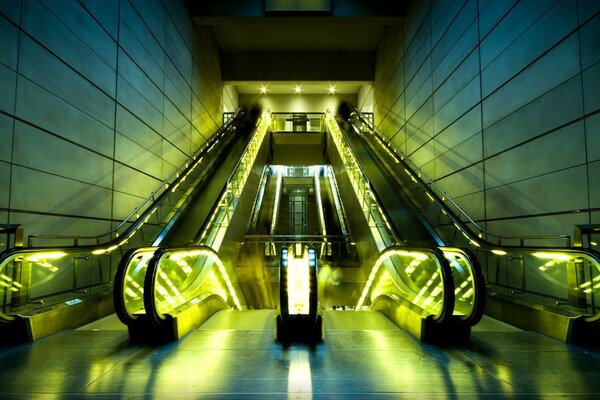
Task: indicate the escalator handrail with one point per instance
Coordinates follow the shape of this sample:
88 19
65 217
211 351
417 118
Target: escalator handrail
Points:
400 158
479 285
591 254
10 254
375 197
120 282
447 309
151 278
178 174
197 240
154 263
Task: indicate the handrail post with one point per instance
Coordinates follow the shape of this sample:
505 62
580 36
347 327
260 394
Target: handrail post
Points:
16 230
577 237
19 232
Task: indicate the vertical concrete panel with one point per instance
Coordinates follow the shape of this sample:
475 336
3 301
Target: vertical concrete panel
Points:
592 128
534 41
41 108
461 103
34 148
590 43
176 88
521 17
139 81
52 74
85 27
63 42
133 182
9 43
555 108
418 15
105 13
459 131
417 54
564 190
153 14
133 128
464 182
4 184
539 226
172 155
138 157
558 150
491 13
6 138
8 82
136 103
39 191
141 56
587 8
591 91
443 15
594 178
460 156
455 31
456 82
532 84
556 67
464 47
12 10
177 51
134 26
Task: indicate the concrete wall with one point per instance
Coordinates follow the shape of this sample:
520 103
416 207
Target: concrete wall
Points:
499 102
100 101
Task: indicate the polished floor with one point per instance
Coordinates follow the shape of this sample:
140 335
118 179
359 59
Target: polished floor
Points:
234 356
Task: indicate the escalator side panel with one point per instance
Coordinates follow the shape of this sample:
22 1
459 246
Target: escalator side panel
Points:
232 242
206 194
409 227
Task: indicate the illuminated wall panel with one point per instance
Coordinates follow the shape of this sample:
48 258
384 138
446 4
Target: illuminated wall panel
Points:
101 100
498 102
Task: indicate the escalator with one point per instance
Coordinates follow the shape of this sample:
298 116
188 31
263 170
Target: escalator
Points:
547 288
163 292
48 288
433 291
212 239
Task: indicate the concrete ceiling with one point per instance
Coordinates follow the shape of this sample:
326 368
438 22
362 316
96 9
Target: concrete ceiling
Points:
350 30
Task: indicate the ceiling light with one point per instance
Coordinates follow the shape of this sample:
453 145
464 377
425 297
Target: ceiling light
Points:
331 89
298 89
263 89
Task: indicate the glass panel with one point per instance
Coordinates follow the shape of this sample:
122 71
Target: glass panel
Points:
464 282
133 286
190 275
33 279
412 275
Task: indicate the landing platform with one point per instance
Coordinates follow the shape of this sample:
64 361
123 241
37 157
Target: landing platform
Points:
233 356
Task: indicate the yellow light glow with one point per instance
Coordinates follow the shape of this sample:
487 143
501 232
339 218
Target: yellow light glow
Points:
299 377
553 256
263 89
418 258
298 89
46 256
298 284
499 252
331 89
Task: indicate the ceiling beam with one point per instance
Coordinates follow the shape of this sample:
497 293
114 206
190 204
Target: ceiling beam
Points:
334 8
298 66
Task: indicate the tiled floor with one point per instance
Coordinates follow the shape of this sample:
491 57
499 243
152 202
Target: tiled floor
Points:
234 356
